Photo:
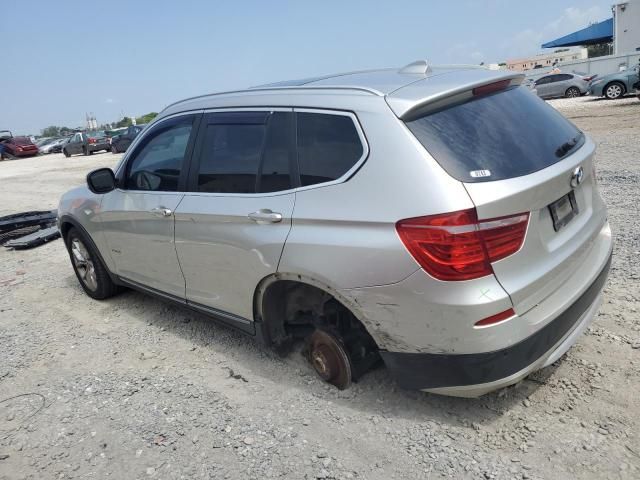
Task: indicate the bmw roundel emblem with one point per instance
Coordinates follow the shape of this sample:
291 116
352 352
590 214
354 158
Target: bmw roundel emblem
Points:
577 176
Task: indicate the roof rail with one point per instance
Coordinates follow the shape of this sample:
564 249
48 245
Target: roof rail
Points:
417 67
371 91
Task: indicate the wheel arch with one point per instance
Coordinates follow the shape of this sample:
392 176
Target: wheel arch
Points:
267 290
66 223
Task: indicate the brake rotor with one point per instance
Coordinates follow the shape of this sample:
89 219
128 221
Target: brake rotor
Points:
330 359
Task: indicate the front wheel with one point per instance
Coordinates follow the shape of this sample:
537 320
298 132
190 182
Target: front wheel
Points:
91 273
614 91
66 153
572 92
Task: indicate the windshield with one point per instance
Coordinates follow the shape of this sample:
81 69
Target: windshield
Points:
503 135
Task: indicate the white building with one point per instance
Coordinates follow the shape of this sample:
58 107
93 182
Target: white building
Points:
547 60
626 26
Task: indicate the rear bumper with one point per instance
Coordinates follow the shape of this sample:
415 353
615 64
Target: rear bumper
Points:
95 147
21 153
475 374
595 91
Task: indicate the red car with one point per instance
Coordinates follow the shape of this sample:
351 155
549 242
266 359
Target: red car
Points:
20 147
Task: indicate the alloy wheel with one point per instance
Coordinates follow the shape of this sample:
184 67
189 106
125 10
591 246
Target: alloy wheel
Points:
573 92
83 264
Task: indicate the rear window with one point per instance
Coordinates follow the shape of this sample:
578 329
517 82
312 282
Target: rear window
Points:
503 135
98 134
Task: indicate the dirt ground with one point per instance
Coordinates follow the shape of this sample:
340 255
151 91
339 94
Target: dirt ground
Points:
136 388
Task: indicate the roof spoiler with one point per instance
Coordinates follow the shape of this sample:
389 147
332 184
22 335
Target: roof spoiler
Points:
416 100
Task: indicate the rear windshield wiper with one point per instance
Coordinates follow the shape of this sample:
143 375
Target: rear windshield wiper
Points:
566 147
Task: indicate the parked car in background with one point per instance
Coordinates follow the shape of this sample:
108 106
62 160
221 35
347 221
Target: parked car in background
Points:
45 147
615 85
114 132
484 261
51 146
86 143
121 142
561 85
58 146
20 147
43 141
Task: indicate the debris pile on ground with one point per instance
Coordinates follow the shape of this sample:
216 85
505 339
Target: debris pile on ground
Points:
28 229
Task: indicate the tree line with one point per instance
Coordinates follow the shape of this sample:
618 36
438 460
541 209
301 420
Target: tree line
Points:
56 131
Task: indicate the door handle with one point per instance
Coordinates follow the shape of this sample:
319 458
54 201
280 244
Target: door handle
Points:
161 211
264 215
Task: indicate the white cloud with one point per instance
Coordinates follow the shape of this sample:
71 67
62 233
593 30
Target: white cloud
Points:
527 42
109 100
464 52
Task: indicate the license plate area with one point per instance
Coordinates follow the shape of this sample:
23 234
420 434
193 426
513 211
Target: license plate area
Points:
563 210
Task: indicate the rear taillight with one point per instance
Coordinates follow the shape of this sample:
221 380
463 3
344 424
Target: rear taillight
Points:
92 140
456 246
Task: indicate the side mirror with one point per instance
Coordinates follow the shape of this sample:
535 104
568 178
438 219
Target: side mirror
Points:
101 181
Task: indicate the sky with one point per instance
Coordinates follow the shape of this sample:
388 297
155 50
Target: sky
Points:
66 58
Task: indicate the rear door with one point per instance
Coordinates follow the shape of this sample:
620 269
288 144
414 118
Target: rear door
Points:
556 86
232 224
530 158
564 82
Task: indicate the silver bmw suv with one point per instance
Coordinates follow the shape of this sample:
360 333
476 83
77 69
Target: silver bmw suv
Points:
441 220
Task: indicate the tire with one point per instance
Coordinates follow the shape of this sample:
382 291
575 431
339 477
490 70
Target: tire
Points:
114 149
572 92
614 90
90 271
66 154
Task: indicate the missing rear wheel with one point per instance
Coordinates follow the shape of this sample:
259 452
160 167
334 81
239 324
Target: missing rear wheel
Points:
330 359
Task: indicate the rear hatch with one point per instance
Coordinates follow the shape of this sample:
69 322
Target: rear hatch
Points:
515 154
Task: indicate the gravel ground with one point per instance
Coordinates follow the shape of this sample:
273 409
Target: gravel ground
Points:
136 388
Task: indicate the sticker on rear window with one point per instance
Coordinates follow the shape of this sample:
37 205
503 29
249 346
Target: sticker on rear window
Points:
480 173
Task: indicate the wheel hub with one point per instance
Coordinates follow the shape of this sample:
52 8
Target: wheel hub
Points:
330 359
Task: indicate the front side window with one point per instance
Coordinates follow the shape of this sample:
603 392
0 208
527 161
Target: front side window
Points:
328 146
157 163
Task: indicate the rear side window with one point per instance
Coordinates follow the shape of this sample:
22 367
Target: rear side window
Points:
230 159
245 153
503 135
328 146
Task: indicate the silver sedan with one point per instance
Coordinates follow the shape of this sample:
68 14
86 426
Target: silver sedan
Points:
561 85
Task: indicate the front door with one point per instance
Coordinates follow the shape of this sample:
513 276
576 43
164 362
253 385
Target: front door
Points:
138 217
232 224
75 144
